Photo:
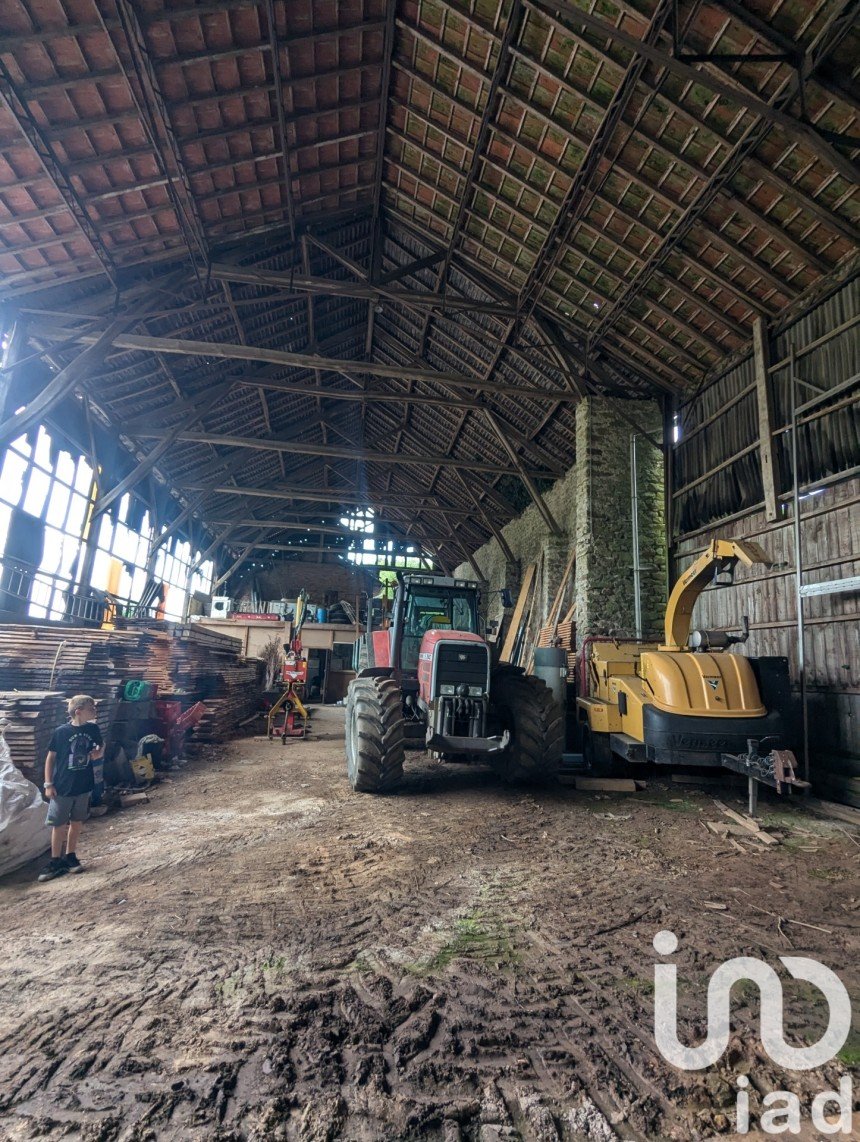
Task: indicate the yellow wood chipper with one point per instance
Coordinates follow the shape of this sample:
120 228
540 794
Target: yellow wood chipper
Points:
687 700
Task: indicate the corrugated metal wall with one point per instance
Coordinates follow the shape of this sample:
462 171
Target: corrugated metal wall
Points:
719 448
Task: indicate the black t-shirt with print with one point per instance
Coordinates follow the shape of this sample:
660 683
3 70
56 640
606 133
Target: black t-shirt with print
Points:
73 770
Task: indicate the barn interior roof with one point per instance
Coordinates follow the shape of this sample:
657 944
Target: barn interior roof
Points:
308 255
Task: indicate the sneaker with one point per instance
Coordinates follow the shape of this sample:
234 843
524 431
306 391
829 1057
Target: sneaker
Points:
72 863
56 867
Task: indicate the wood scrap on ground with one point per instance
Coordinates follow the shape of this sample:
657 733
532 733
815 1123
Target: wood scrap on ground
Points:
609 784
746 826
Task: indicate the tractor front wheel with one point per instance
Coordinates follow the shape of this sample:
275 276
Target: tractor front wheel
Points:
524 705
374 735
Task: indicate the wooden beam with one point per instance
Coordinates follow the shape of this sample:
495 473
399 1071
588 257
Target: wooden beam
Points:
222 537
524 475
234 566
370 396
468 556
411 268
487 518
171 529
63 383
275 50
231 351
149 462
768 457
15 352
300 283
519 613
274 444
339 496
382 530
38 138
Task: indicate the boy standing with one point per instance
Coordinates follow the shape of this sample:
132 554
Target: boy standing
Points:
69 783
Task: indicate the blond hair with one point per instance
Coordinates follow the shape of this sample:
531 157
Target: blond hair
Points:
80 702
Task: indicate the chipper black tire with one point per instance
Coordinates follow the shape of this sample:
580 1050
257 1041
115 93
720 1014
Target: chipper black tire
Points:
524 705
374 735
597 754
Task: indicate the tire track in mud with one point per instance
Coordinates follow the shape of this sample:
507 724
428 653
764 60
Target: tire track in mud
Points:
461 963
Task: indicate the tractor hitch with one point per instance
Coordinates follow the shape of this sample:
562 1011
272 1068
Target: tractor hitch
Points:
445 743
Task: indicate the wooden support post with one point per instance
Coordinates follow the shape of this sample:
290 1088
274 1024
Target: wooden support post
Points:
768 458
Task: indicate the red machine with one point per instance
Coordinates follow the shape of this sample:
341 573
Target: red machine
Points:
430 683
174 723
294 673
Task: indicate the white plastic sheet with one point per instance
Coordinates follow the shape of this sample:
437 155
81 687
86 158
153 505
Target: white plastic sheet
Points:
23 832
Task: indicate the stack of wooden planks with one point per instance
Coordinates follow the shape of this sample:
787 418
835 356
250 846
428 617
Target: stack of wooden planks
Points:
562 634
27 720
180 659
208 666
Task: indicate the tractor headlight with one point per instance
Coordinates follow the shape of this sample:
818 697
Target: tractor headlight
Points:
446 690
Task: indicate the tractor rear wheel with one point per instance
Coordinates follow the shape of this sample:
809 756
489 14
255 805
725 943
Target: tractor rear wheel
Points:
374 735
525 706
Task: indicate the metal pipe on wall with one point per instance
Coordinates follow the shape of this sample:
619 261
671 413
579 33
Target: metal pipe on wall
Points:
634 512
798 566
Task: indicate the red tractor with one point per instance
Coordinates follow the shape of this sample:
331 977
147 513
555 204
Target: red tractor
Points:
430 684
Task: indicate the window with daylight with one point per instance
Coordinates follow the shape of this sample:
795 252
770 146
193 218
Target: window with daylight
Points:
377 552
54 487
46 500
120 541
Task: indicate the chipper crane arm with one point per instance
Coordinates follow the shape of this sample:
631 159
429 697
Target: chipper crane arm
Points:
721 558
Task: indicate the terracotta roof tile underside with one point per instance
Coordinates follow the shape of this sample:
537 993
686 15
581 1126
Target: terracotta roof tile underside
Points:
549 199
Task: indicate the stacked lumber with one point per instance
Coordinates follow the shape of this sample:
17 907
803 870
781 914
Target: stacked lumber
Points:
76 659
208 666
27 720
562 635
186 660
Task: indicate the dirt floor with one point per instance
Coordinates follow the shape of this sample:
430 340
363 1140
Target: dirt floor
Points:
259 953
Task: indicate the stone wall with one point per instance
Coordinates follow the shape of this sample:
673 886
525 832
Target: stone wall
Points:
592 505
604 518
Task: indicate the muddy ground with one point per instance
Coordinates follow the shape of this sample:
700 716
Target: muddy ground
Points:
258 953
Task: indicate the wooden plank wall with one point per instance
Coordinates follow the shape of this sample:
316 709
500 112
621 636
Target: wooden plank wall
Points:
831 550
830 545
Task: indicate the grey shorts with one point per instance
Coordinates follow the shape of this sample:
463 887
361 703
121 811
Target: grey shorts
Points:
61 810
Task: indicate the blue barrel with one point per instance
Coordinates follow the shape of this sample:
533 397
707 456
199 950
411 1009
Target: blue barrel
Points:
322 615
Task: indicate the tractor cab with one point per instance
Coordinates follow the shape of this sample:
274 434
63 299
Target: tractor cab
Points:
429 606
